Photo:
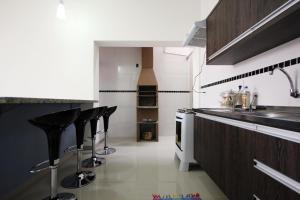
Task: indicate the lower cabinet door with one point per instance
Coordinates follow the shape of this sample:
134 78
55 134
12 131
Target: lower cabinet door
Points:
281 155
226 153
197 141
238 162
267 188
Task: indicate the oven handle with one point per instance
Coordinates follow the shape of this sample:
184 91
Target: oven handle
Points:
178 117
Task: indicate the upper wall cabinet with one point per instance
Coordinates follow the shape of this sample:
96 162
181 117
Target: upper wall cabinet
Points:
240 29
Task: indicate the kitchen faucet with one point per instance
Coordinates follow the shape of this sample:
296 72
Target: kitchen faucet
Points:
293 91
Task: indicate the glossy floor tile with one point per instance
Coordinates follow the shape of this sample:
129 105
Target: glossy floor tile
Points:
135 172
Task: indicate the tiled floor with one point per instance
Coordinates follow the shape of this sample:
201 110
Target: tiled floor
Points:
135 172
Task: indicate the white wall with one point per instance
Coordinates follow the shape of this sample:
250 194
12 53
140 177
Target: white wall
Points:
197 61
207 6
118 72
173 72
42 56
272 90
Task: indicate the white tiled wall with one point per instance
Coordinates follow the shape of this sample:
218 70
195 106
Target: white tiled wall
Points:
168 104
272 90
123 122
172 73
118 72
118 69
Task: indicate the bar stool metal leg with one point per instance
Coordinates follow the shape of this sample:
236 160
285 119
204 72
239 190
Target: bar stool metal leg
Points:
94 161
107 150
53 181
80 178
54 185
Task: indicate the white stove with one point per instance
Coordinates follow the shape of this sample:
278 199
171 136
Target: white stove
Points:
185 138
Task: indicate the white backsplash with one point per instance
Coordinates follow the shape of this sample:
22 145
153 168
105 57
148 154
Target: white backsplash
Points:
272 90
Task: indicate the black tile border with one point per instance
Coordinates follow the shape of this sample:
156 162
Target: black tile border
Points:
133 91
266 69
116 91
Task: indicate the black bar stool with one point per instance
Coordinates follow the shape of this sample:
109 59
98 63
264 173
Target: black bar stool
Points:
54 124
80 178
107 150
95 161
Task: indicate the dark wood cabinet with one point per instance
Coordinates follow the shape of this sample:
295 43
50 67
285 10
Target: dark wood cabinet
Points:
279 154
227 154
217 29
198 142
207 148
229 19
231 36
224 152
238 162
214 159
262 8
266 188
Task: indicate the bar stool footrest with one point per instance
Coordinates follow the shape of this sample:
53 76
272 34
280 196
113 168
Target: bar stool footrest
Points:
37 168
78 180
62 196
93 162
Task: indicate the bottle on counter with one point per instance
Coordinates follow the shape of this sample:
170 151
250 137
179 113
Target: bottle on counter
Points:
245 98
239 97
253 103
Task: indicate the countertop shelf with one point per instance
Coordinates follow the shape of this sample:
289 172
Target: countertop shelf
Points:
24 100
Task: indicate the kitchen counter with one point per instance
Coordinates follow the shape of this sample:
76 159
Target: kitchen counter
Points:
23 100
287 118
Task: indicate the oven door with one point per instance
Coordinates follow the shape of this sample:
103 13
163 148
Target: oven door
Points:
178 131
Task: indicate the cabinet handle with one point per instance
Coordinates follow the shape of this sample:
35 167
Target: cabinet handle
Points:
281 178
279 133
255 197
255 163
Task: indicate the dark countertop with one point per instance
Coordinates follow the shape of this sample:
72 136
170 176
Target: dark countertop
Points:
23 100
287 118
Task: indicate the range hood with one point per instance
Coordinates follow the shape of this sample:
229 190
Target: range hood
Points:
197 35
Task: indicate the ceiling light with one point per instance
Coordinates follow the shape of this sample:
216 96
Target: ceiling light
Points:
61 13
